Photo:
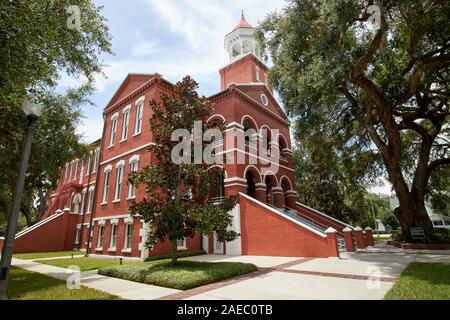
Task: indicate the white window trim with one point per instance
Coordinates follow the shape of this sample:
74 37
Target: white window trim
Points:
126 245
114 227
96 159
124 135
184 246
139 106
107 173
133 160
114 122
119 166
77 236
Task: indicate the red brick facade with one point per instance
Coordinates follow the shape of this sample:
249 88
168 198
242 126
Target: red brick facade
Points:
244 102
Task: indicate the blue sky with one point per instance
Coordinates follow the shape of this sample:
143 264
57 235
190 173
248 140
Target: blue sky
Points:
171 37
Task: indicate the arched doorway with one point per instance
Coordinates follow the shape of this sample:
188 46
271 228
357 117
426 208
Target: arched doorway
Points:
251 184
286 186
217 192
270 182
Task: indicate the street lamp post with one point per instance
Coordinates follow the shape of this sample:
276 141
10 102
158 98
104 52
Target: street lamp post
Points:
33 111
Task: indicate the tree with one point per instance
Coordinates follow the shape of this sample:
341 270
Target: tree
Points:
176 206
37 46
374 83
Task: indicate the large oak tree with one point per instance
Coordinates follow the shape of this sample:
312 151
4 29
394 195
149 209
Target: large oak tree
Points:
376 84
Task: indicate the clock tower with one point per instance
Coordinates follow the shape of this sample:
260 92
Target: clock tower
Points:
245 65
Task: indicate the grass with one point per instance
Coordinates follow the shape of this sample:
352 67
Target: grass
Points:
41 255
28 285
186 275
381 237
84 263
422 281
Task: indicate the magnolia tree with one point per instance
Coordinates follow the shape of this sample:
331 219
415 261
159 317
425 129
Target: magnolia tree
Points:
176 205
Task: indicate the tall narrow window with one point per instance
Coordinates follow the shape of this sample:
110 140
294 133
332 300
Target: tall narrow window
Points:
83 200
106 186
257 74
77 237
119 178
67 171
75 174
101 235
90 200
132 187
96 159
126 122
71 170
88 169
112 243
139 115
128 236
113 129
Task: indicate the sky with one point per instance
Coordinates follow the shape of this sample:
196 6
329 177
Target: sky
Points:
172 37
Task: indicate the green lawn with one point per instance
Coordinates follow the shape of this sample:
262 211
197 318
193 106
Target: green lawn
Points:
28 285
186 275
381 237
40 255
84 263
422 281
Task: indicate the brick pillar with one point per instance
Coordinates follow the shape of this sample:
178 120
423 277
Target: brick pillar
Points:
278 197
369 235
359 238
261 192
348 237
291 198
333 250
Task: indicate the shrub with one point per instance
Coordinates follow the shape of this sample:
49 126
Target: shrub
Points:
441 235
181 254
397 235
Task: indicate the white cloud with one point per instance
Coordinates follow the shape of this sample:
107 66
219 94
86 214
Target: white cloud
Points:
145 48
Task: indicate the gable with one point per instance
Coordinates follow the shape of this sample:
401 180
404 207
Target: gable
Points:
131 83
255 91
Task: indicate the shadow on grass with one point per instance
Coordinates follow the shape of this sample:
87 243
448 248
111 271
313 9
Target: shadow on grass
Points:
23 283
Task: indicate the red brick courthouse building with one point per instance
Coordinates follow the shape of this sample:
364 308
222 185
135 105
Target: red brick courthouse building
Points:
94 195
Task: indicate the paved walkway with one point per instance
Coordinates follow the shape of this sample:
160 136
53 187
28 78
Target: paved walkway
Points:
368 274
122 288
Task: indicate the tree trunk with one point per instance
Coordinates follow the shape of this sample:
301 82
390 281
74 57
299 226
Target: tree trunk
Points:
174 253
411 211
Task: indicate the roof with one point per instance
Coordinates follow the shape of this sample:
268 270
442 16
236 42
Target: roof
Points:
242 23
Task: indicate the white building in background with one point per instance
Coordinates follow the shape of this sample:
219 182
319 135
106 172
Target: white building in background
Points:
438 220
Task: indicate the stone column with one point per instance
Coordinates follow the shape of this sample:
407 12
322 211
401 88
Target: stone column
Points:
333 250
359 238
261 192
278 197
369 235
348 237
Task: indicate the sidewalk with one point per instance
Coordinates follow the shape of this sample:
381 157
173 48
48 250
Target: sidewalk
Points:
121 288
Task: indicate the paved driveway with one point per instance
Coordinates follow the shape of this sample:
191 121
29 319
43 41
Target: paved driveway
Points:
368 274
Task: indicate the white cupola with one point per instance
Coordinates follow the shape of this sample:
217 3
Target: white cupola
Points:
241 41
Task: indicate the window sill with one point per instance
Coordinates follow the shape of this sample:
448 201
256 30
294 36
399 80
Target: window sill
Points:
123 140
103 203
131 198
76 242
127 250
181 248
99 249
136 134
116 200
110 146
112 249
